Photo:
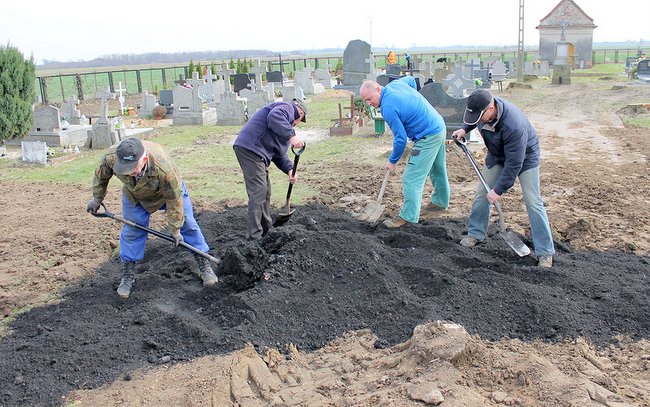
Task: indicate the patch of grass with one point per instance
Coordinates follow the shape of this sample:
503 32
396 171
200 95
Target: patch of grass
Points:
637 121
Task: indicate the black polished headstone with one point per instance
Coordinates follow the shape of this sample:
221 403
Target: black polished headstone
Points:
241 81
166 97
393 69
451 109
274 76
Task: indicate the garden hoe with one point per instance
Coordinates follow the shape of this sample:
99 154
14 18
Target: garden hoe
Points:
107 214
375 209
508 235
283 217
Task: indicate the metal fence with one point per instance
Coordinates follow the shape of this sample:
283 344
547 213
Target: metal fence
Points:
85 85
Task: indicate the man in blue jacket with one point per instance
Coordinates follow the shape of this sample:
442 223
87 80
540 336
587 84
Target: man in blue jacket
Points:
513 152
265 138
411 117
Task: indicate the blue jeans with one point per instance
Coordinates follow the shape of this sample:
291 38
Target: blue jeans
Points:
539 226
428 159
133 240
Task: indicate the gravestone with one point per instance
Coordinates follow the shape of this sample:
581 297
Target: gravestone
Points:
70 112
290 93
643 71
458 85
393 70
426 69
536 68
231 110
306 83
356 65
274 76
450 108
147 104
102 134
383 80
484 75
188 108
255 99
440 74
47 128
166 98
225 73
324 77
498 73
34 151
240 81
47 119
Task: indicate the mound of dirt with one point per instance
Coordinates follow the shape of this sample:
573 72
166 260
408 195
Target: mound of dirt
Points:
322 275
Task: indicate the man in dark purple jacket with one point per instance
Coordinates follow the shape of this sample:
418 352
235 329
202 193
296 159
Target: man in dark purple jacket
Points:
265 139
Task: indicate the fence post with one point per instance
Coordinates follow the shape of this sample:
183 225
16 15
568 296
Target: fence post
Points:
110 82
80 88
138 80
164 78
44 97
61 83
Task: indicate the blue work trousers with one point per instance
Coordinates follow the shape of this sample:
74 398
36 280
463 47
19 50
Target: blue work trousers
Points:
133 240
539 225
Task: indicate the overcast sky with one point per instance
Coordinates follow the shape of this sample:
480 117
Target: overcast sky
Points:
70 30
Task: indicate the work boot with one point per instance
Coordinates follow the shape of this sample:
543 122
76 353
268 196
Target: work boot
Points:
468 241
431 210
395 222
545 261
205 271
128 278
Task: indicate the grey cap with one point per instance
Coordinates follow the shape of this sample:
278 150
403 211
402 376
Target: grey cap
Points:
302 105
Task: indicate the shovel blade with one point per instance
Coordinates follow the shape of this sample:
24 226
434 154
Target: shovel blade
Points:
515 243
283 218
373 211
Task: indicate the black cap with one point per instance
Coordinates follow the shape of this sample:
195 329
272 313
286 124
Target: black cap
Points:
128 153
477 102
303 105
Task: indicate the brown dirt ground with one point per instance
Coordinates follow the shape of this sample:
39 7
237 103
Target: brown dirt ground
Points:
596 184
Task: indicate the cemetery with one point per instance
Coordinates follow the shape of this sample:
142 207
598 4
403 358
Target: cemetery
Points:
328 309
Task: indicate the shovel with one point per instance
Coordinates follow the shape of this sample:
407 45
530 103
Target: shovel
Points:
283 217
375 209
508 235
107 214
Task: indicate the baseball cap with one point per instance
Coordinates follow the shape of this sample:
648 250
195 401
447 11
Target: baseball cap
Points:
303 105
477 102
128 153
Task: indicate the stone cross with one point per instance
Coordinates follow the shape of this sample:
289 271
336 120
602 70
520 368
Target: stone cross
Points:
225 73
121 98
371 61
104 95
258 69
457 83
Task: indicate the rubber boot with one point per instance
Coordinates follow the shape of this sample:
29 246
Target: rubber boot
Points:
205 271
128 278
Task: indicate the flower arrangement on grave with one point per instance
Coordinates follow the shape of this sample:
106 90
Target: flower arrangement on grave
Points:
158 112
118 123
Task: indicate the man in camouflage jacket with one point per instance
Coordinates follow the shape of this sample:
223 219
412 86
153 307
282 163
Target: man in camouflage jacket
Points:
151 183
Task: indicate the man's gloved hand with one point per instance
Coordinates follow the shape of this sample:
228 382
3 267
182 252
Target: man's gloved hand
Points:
93 205
178 238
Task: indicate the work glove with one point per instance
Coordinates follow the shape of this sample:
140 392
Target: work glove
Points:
93 205
178 238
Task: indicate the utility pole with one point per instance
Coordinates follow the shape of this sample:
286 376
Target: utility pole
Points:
520 44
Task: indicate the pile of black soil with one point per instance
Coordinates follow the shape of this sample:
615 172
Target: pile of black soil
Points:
320 275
